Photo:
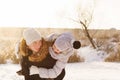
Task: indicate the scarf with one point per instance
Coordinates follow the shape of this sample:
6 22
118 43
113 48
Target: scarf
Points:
40 55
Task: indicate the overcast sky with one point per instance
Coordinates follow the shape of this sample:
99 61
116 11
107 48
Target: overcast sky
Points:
57 13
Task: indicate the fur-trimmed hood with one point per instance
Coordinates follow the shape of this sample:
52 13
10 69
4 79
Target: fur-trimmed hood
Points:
44 50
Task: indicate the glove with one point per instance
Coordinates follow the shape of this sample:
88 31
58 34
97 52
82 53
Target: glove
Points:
34 70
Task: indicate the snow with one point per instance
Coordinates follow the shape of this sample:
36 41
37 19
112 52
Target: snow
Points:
90 54
93 71
94 68
74 71
8 72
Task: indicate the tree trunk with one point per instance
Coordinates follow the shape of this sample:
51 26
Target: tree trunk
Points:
88 35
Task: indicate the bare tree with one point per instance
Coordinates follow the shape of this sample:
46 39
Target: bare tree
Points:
84 19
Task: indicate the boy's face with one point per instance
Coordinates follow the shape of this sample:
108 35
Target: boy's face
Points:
35 46
57 51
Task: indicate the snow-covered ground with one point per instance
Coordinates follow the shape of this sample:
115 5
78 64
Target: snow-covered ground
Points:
8 72
94 68
74 71
93 71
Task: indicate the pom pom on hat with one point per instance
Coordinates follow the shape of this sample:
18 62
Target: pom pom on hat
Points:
31 35
76 44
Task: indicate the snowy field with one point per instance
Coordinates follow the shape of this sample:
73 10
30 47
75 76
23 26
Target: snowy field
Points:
94 68
93 71
74 71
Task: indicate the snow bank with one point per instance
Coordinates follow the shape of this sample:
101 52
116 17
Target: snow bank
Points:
92 71
8 72
89 54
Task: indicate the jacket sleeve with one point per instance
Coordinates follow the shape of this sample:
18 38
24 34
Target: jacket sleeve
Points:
58 67
53 72
52 37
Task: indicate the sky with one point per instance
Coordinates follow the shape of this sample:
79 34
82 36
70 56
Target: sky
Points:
58 13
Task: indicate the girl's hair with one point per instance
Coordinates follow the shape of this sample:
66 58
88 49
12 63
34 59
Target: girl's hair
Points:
76 44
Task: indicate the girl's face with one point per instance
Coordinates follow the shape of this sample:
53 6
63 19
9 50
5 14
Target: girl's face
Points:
57 51
35 46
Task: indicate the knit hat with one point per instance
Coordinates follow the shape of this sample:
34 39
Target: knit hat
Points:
64 41
31 35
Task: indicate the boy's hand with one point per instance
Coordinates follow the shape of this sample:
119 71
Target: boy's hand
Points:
34 70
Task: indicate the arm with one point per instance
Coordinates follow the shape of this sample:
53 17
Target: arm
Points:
53 72
56 70
52 37
50 73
